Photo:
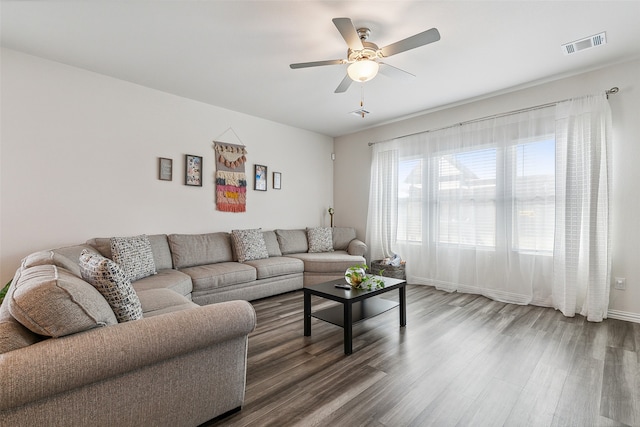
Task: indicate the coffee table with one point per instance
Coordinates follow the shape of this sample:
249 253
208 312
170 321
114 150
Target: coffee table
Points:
357 305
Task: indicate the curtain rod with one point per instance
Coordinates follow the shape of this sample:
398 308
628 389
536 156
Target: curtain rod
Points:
495 116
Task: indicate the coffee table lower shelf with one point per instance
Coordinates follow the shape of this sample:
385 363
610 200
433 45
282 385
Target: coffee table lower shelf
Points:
359 311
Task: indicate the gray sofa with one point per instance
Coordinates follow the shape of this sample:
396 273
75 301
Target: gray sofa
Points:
65 359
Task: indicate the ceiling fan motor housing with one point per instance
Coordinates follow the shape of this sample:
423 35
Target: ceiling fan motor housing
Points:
370 51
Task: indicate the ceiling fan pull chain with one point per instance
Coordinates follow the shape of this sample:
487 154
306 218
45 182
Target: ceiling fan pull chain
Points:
362 100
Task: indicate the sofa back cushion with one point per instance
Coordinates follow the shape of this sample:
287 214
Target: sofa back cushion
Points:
342 236
190 250
66 257
292 241
159 247
270 239
13 335
51 301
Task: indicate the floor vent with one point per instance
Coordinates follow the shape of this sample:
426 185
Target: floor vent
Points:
586 43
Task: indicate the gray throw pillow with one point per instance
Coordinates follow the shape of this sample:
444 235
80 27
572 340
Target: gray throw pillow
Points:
320 239
134 255
114 285
249 244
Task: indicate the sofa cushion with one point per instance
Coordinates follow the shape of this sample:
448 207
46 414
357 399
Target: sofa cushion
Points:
276 266
174 280
328 262
134 256
342 236
292 241
249 244
161 251
161 301
51 301
13 334
189 250
114 285
270 239
320 239
102 245
159 247
220 275
53 258
66 257
357 247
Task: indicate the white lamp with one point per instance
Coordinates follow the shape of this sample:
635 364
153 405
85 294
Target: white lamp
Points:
363 70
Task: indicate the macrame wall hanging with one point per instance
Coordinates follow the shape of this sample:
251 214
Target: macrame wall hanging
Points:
231 181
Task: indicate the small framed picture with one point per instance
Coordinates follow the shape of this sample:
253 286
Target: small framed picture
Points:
165 169
193 170
277 180
260 174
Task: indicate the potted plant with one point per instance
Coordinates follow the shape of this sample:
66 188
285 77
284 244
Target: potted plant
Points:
357 277
4 290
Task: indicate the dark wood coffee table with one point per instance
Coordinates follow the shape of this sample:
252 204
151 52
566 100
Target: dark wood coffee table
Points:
357 305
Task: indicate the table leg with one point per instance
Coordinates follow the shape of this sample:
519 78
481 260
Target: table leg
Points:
348 324
403 305
307 314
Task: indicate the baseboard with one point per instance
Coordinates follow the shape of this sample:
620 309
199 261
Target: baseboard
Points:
611 314
623 315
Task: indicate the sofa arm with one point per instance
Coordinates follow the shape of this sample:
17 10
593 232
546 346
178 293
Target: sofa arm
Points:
60 364
357 247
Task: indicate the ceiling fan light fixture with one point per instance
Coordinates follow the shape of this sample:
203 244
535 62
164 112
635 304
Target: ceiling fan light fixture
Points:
363 70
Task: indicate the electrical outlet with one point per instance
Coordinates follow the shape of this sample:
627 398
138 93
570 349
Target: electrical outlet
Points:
620 283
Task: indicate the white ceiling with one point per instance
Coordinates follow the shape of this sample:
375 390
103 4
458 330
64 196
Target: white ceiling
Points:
236 54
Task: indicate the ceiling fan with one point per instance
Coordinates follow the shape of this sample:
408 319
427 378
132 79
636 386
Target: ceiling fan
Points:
364 57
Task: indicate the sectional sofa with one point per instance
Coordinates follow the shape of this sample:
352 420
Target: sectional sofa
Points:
149 330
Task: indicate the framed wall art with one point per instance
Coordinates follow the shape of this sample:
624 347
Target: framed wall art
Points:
165 169
193 170
277 180
260 174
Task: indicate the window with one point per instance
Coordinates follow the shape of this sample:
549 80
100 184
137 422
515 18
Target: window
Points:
533 196
410 200
466 198
468 191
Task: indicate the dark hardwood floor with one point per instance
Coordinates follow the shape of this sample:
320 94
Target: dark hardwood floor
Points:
462 360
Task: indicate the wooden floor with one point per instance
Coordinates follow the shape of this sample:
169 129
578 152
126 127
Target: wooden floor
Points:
462 360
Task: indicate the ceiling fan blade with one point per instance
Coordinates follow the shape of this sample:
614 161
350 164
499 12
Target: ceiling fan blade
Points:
412 42
317 63
396 73
348 32
344 85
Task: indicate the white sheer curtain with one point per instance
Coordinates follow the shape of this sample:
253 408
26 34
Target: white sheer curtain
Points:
582 260
495 207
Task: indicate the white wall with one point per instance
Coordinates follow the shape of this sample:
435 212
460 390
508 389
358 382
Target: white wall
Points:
353 157
79 154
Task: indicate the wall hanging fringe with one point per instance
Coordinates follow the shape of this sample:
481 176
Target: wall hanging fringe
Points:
231 180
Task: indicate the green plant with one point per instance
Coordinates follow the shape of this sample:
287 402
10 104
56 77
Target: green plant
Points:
4 290
357 277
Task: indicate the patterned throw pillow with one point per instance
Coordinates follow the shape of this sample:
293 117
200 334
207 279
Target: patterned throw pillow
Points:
320 239
114 285
249 244
134 256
